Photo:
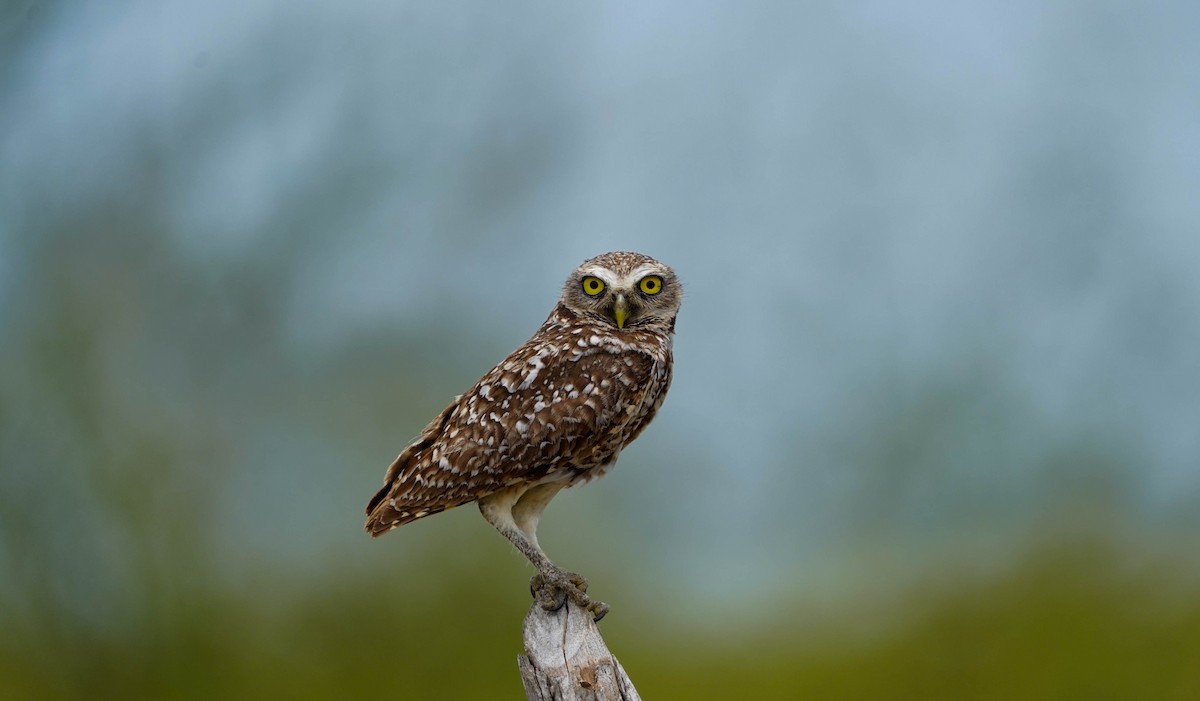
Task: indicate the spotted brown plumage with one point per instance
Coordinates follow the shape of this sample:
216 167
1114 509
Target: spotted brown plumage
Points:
555 413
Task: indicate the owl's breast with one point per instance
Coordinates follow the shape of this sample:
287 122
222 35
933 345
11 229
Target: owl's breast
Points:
632 413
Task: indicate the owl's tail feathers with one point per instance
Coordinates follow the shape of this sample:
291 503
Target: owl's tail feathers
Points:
382 514
385 514
379 497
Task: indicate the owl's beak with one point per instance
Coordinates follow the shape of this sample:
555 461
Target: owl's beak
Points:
621 311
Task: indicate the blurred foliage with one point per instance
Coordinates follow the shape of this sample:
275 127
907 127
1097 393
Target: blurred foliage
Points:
1069 622
1077 621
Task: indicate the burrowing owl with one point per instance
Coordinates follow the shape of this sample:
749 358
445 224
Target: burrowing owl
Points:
554 413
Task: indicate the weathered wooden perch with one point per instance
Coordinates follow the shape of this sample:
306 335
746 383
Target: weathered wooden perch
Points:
566 659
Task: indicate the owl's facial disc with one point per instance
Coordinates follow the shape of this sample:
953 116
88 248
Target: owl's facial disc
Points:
626 298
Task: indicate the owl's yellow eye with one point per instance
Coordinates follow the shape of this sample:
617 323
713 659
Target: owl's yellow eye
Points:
651 284
593 285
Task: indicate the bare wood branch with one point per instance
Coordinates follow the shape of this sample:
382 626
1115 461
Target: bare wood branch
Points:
566 659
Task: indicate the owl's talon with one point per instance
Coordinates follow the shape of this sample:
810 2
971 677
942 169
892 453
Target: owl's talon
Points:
549 595
552 589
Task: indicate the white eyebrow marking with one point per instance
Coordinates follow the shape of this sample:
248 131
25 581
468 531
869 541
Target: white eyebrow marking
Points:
643 270
603 273
631 280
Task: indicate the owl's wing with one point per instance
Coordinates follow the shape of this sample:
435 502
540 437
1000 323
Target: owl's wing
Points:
549 407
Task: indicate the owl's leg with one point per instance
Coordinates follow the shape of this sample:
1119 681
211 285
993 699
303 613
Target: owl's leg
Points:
515 512
526 513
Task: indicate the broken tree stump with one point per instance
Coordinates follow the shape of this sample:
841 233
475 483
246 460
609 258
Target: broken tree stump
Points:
566 659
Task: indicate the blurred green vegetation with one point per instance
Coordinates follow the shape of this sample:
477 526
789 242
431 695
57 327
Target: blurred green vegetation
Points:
1068 622
1081 620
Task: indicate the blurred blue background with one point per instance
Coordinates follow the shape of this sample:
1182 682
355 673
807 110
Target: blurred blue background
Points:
933 430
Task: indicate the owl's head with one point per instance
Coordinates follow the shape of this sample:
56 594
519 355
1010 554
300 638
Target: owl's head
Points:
625 290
